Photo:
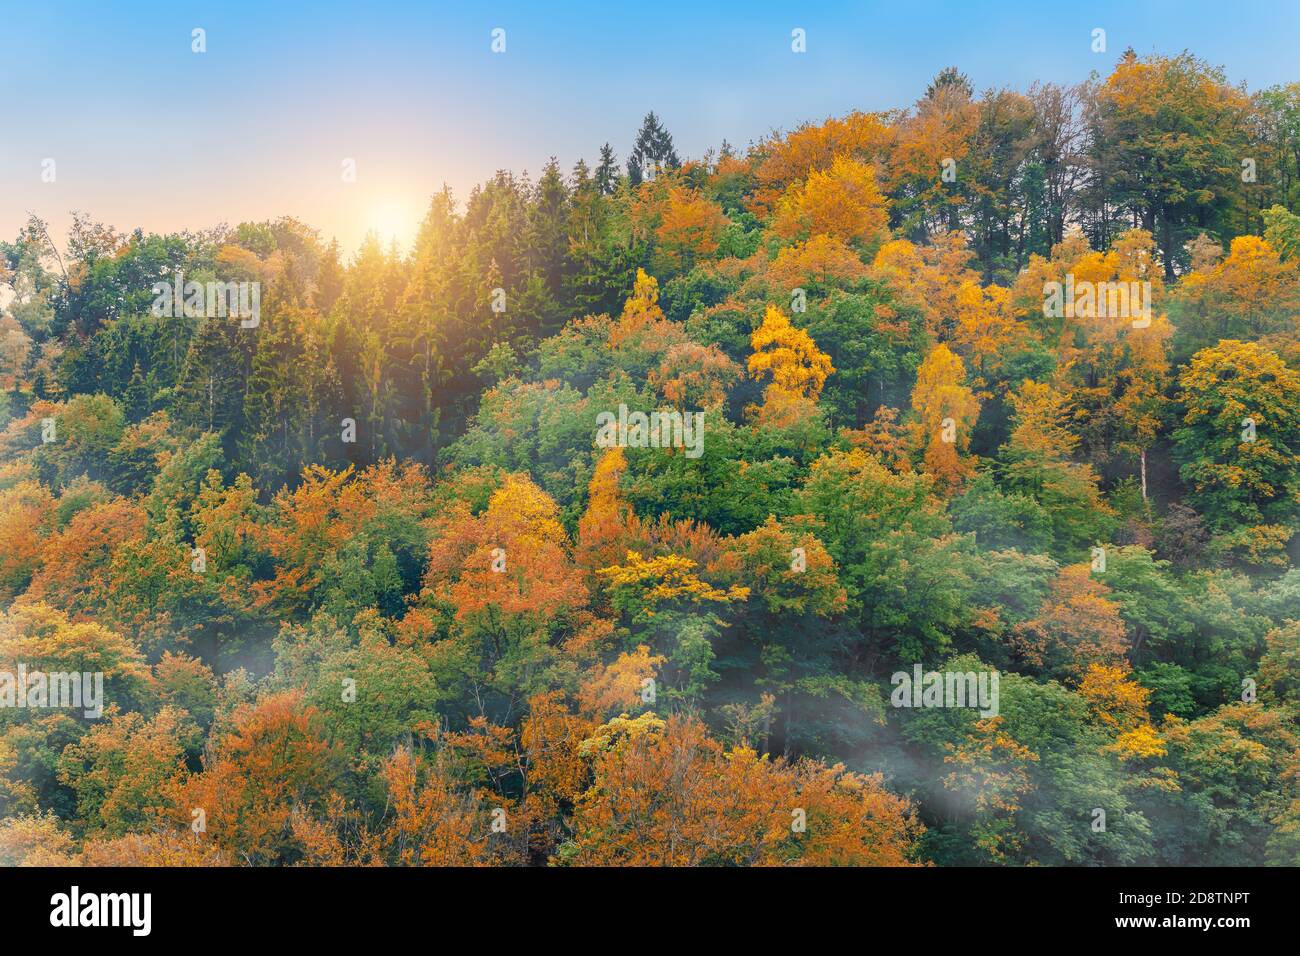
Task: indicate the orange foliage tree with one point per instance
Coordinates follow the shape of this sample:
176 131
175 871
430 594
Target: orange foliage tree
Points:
689 227
1075 628
667 794
272 762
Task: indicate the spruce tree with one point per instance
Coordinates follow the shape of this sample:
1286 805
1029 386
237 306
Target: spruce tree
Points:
135 399
607 171
653 150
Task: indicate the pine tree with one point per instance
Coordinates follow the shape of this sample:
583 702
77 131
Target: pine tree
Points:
949 78
135 399
581 176
329 279
274 405
548 226
210 395
607 171
652 151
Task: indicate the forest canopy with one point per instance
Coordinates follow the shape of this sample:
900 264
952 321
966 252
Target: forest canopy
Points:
1000 385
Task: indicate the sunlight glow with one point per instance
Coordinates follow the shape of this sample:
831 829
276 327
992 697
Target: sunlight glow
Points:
394 220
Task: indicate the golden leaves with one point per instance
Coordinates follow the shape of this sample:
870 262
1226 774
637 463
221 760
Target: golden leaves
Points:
797 367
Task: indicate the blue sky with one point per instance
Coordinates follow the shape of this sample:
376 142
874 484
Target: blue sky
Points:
145 132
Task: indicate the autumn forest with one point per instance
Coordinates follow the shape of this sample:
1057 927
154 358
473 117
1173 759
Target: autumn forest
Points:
908 488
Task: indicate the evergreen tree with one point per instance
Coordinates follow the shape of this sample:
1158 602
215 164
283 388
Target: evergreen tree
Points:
653 150
329 279
548 227
136 398
271 443
949 78
607 171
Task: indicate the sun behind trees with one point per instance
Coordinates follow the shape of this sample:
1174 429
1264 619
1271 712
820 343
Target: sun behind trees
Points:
363 588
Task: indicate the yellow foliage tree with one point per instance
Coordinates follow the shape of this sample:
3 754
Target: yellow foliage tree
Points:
1042 414
843 202
798 368
640 311
822 260
931 278
1252 294
1114 698
788 159
645 583
947 411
